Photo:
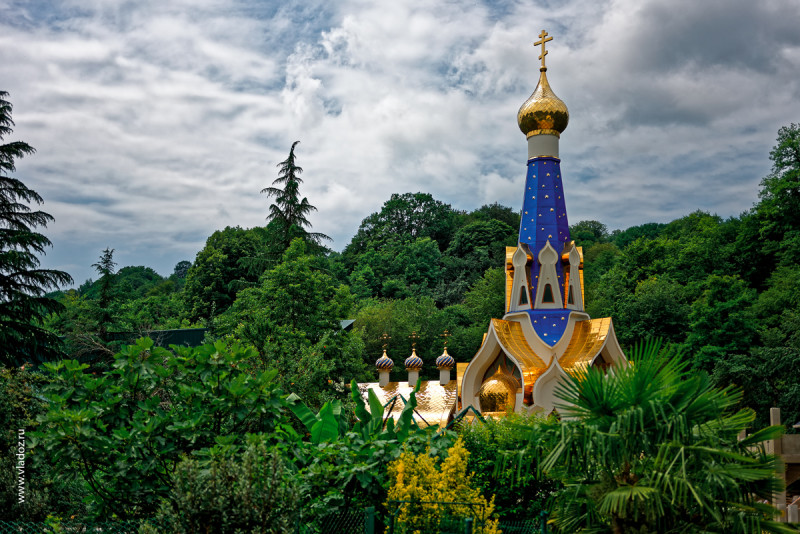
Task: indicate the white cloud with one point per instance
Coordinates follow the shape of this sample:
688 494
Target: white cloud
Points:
159 122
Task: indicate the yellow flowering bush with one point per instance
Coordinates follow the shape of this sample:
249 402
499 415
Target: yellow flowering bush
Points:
418 479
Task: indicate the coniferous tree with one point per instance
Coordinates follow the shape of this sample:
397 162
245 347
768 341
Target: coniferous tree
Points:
23 284
105 268
289 212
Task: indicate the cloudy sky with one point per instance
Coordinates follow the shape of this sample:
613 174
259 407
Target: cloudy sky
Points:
158 121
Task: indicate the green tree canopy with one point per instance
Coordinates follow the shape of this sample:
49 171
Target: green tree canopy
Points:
407 217
588 233
779 208
125 431
494 212
293 318
220 270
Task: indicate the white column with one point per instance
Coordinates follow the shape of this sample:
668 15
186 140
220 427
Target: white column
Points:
383 377
444 376
413 377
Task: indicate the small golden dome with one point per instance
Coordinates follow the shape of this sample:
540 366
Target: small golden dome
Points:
543 112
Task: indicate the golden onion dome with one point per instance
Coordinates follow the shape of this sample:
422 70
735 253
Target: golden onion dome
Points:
543 112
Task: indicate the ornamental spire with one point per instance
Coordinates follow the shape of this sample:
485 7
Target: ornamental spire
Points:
543 112
543 38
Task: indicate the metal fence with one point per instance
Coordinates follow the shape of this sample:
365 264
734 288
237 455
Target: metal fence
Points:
454 518
358 521
346 522
69 527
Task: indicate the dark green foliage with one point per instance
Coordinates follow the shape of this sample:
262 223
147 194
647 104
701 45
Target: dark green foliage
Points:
289 213
597 260
765 376
292 318
255 493
23 285
220 270
519 494
722 321
654 448
588 233
181 269
405 217
474 248
134 300
138 282
658 307
46 491
623 238
493 212
124 431
342 465
779 208
399 269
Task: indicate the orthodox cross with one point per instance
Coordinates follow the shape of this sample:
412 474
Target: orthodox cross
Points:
385 338
445 335
543 38
413 337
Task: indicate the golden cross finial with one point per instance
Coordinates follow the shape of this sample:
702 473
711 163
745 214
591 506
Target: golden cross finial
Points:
543 38
413 337
445 335
385 338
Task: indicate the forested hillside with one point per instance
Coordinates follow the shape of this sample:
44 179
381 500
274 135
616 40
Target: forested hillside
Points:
725 293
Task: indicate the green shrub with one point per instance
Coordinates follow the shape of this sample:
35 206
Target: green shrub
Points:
124 431
46 489
252 494
495 447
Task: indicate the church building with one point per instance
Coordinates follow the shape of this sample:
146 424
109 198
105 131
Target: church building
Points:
545 333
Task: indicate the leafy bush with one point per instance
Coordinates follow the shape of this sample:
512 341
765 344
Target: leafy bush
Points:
126 430
416 478
255 493
342 463
46 491
494 448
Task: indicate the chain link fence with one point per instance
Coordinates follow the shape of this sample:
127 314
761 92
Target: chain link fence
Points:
346 522
357 521
69 527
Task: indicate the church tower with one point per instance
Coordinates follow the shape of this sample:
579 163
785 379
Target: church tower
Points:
545 333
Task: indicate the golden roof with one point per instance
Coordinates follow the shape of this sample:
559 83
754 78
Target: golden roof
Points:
543 112
434 401
512 338
461 368
588 339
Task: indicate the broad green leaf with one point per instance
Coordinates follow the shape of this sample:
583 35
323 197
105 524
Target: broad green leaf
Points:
302 411
327 427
